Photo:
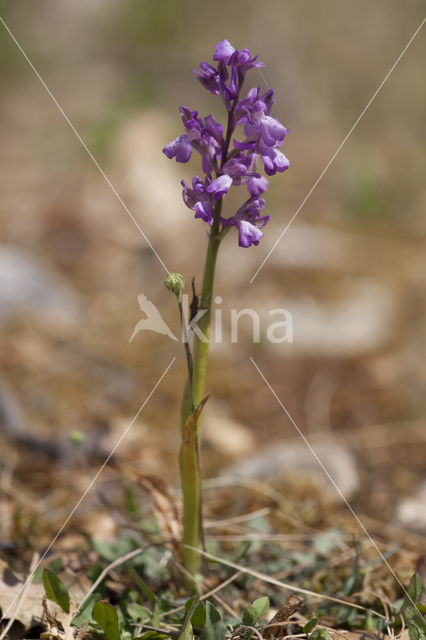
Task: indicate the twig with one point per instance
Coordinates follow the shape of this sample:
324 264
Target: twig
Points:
225 606
259 487
267 537
27 585
186 573
264 511
172 634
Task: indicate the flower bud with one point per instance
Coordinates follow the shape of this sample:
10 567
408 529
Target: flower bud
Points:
175 282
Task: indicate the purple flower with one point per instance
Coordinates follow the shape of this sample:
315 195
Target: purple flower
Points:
261 129
214 129
198 199
224 51
209 77
248 221
206 137
248 234
267 129
255 103
227 162
256 186
180 148
273 161
220 186
241 168
230 56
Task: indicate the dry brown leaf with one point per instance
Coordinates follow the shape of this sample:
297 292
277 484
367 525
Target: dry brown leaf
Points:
57 621
31 610
275 628
11 585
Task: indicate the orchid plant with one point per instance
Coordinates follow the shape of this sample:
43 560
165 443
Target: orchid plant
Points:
226 162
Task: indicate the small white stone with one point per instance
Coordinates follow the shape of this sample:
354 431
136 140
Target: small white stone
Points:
294 456
411 512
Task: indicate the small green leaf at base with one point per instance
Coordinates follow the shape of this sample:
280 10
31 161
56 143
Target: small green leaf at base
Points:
187 633
55 590
255 611
214 628
416 588
413 633
106 616
310 625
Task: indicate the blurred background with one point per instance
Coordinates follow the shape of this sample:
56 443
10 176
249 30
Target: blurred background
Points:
351 269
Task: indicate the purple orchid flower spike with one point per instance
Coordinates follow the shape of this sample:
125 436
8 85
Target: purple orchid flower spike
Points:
227 162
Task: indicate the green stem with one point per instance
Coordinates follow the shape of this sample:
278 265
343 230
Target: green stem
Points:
191 488
189 458
202 344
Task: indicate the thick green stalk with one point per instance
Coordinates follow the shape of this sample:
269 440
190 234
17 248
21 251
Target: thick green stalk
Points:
189 454
189 467
201 347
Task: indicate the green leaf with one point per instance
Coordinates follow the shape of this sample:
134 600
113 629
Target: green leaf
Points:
214 629
186 631
370 623
416 588
137 612
85 613
155 616
398 604
94 572
413 616
255 611
212 613
198 616
106 616
111 551
55 565
56 590
416 624
310 625
140 583
154 635
413 633
409 613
